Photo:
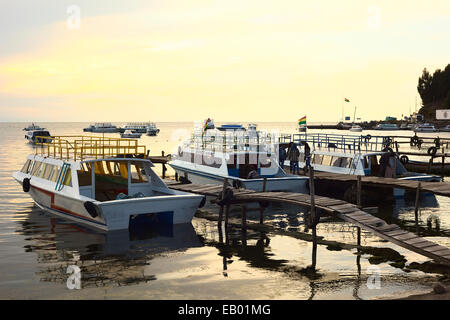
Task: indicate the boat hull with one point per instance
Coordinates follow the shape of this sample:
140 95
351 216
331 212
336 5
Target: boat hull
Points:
289 183
118 214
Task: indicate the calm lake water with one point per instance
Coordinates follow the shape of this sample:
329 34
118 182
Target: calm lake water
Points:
194 261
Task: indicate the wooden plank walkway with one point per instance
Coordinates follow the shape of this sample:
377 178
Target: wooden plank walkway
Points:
346 211
438 188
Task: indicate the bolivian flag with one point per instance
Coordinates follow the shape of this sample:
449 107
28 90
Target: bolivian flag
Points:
302 121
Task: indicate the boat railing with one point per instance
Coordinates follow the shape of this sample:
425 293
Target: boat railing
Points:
79 148
346 143
232 142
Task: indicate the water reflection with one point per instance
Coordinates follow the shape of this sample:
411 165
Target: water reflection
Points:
105 258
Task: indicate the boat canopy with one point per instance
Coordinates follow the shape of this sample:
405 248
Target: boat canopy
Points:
79 148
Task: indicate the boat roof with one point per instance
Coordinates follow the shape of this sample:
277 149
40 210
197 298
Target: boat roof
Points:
83 148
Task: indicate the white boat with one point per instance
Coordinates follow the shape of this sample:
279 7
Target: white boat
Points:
33 127
230 152
426 127
386 126
152 130
102 182
140 127
101 127
355 128
130 134
37 136
354 155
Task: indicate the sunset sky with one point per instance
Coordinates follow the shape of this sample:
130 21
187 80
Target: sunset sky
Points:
183 60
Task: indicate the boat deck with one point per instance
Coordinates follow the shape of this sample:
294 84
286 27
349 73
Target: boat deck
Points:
344 210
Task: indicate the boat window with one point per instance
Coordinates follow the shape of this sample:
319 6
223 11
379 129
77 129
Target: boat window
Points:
37 165
54 175
346 162
49 171
366 163
26 166
138 174
68 178
336 161
317 159
326 161
232 162
211 161
41 170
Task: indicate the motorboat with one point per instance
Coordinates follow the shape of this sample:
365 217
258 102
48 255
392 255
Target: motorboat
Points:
386 126
37 136
354 155
355 128
101 127
152 130
445 129
140 127
130 134
244 157
426 127
104 183
33 127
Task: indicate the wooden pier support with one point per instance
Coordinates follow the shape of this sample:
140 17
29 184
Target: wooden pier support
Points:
417 204
224 189
358 191
313 218
262 208
244 218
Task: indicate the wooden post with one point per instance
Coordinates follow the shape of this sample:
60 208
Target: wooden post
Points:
227 214
264 185
358 191
429 164
416 208
176 176
224 189
443 161
313 217
244 218
358 240
164 169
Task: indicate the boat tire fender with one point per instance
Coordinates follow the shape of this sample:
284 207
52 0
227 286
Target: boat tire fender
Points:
91 208
432 151
404 159
26 185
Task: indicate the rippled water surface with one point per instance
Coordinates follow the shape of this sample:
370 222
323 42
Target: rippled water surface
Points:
195 261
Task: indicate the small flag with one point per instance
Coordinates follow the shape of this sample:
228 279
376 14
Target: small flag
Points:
302 121
346 100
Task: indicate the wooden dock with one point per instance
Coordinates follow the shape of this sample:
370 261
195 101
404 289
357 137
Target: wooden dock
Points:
438 188
346 211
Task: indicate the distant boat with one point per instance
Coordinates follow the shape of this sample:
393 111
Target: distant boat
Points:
386 126
32 127
445 129
101 127
356 128
152 130
231 127
140 127
130 134
36 136
426 127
